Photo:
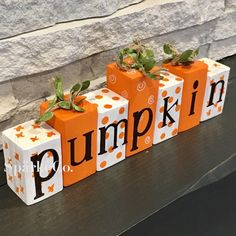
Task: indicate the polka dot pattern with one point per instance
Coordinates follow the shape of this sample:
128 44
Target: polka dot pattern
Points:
105 120
121 110
116 98
119 155
98 96
112 108
170 87
108 106
217 73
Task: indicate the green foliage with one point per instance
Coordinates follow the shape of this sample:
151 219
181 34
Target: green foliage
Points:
70 103
185 58
140 57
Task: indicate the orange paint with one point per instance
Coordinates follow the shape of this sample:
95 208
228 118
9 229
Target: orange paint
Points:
73 126
141 93
195 77
50 134
20 135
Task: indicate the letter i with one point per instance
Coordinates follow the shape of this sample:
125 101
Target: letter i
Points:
195 85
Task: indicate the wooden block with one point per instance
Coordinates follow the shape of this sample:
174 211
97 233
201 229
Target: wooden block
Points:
112 126
168 107
195 77
79 140
33 161
142 95
216 86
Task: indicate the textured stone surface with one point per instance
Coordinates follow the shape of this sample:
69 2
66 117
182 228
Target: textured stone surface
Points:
226 25
230 4
17 17
65 43
186 38
28 112
29 88
8 103
81 9
222 48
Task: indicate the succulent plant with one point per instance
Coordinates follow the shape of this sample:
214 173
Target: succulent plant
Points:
61 101
177 58
140 57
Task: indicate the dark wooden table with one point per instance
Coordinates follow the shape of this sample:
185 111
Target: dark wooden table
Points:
110 202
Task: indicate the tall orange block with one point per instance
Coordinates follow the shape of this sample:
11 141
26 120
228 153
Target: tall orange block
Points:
195 77
79 141
142 95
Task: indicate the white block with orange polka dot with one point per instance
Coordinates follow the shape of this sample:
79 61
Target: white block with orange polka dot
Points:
33 161
217 81
112 126
168 107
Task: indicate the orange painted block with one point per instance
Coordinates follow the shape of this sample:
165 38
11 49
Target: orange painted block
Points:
142 95
195 77
79 140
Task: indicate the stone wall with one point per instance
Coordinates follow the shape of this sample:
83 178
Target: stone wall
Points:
77 38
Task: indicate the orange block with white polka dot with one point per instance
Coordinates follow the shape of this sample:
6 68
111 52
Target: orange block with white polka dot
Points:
195 76
142 95
217 81
78 140
168 107
33 161
112 126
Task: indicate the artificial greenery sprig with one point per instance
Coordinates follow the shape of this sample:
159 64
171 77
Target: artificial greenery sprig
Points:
70 103
177 58
140 57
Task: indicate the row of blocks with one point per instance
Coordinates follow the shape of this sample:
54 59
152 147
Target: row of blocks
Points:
127 117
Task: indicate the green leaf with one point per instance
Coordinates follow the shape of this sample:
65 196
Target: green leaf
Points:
65 105
85 85
168 60
121 56
168 49
147 62
76 88
185 56
149 52
45 117
52 103
136 66
129 51
151 76
133 56
77 108
148 66
59 87
195 52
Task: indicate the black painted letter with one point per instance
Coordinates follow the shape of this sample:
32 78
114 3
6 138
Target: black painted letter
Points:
213 88
137 116
166 111
37 159
88 146
103 131
195 85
